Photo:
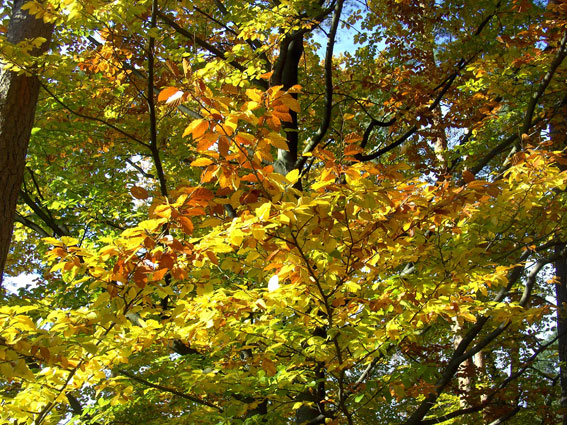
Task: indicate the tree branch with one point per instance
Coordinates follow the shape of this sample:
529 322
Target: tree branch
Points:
559 57
139 169
151 105
495 391
170 390
252 43
88 117
459 355
207 46
46 218
327 113
182 108
444 86
448 82
30 224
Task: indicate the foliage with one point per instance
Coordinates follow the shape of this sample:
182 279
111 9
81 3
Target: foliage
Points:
242 229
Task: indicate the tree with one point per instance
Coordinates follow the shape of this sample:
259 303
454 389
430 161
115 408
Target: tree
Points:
243 227
18 96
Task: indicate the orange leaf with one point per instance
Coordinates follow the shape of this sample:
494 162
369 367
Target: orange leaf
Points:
282 116
212 257
266 75
202 193
60 252
158 275
353 150
195 212
224 145
186 224
140 277
197 128
166 261
166 93
244 138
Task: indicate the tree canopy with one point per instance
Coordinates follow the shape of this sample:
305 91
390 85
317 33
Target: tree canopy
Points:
289 211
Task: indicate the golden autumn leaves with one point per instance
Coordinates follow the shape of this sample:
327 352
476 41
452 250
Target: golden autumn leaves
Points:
288 264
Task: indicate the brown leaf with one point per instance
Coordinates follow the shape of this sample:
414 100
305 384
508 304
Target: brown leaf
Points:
468 176
186 224
139 192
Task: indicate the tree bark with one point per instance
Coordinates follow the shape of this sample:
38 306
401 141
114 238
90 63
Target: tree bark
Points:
18 98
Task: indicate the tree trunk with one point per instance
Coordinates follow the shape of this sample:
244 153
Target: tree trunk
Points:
18 97
561 296
465 374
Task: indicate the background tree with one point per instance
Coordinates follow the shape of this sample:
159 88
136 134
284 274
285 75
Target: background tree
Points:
255 229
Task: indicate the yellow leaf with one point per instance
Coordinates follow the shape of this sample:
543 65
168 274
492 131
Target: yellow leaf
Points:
52 241
186 68
25 323
201 162
259 233
236 237
291 103
468 317
293 176
163 211
69 241
197 128
254 94
263 211
251 106
277 141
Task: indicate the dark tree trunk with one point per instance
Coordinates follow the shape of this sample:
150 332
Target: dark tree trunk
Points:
557 130
561 296
18 97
